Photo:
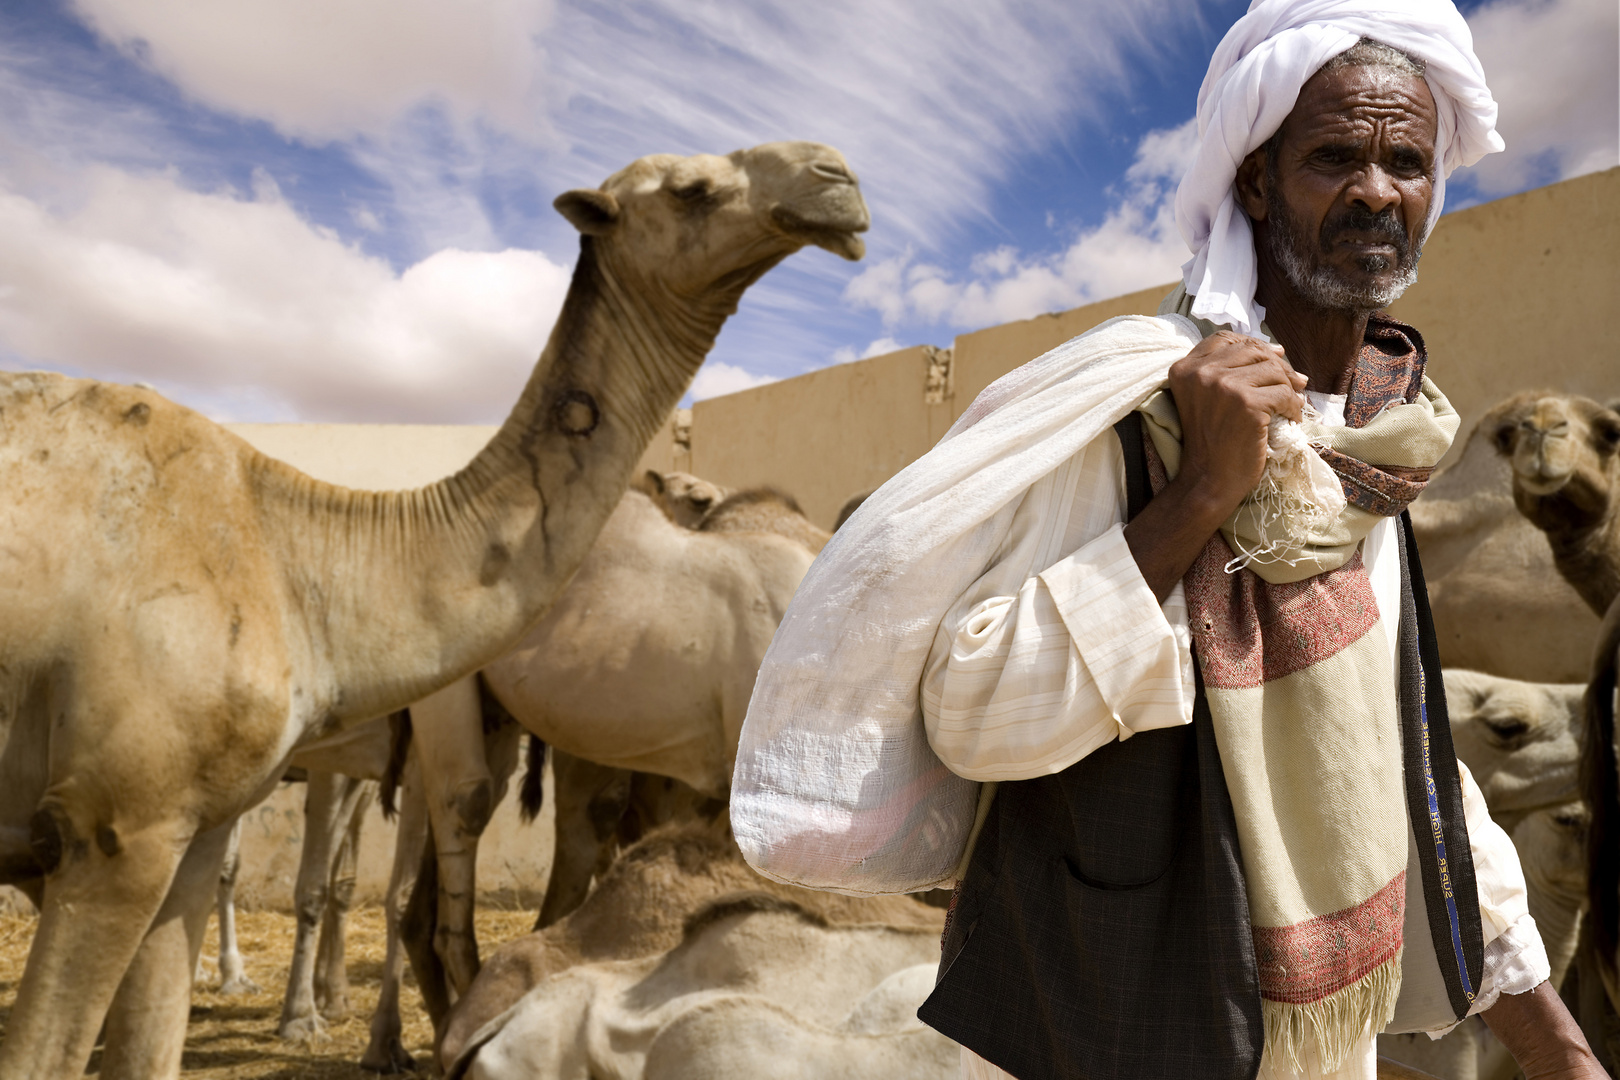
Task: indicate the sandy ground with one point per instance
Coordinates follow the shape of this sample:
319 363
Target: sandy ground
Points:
234 1038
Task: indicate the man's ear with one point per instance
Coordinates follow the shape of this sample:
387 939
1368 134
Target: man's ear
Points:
592 212
1250 185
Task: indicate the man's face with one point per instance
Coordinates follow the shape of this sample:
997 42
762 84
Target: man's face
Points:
1341 209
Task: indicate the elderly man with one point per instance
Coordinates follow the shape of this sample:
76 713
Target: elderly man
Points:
1230 837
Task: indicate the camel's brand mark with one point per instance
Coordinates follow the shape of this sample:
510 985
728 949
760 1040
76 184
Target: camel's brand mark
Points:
577 414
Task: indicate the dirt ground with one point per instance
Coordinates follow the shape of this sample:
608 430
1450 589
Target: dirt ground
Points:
234 1038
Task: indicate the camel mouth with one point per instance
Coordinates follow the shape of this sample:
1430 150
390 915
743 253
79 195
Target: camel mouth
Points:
839 238
1543 485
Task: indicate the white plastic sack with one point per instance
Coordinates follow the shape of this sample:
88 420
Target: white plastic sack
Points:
836 786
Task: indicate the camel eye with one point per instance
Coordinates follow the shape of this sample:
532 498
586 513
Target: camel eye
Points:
1607 428
1504 437
692 192
1507 729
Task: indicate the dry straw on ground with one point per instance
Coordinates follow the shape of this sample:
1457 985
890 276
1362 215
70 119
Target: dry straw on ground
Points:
234 1038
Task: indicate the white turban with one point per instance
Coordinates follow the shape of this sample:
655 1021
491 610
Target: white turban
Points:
1254 80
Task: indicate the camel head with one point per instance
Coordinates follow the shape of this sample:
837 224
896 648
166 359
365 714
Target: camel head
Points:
1558 445
684 498
1521 740
703 225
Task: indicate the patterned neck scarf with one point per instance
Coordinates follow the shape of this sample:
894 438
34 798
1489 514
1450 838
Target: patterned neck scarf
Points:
1302 692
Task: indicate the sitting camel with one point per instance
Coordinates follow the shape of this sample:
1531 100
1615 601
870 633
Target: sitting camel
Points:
638 911
183 611
745 1036
601 1019
1522 744
1499 603
646 663
1565 455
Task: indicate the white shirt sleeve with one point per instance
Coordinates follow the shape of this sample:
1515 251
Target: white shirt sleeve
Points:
1515 958
1028 676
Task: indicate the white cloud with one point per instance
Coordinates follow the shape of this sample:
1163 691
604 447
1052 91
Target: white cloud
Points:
1135 246
1554 69
932 100
241 303
717 379
880 347
326 69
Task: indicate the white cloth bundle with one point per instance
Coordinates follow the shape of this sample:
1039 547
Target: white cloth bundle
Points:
1253 82
835 785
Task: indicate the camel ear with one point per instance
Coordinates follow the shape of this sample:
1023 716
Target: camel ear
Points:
655 481
593 213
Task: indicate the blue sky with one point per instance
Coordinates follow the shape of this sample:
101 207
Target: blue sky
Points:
339 210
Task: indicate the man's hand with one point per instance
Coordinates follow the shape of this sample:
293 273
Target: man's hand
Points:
1542 1037
1227 390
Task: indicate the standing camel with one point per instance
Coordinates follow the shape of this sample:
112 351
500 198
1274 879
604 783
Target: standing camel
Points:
180 611
1565 455
1498 600
646 663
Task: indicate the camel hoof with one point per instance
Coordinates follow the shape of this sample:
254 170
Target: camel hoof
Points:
388 1058
241 986
334 1010
302 1029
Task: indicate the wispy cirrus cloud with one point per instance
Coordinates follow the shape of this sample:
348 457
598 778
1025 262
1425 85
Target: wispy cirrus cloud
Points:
1136 245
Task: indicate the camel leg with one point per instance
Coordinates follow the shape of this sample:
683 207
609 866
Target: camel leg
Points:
590 799
106 883
146 1026
328 796
386 1051
233 978
461 796
331 973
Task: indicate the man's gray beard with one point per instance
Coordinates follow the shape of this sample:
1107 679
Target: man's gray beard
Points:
1320 284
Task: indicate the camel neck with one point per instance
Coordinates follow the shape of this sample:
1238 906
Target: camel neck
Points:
418 588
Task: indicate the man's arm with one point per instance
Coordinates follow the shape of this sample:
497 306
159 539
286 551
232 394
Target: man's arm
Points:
1227 389
1542 1037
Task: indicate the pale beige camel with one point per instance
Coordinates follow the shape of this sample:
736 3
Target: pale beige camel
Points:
597 1021
646 663
684 497
765 510
1522 743
750 1037
1565 455
182 611
1499 603
638 910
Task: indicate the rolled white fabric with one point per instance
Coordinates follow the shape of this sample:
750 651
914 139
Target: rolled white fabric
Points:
1253 82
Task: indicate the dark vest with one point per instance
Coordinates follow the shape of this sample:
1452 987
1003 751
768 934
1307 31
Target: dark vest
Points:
1102 930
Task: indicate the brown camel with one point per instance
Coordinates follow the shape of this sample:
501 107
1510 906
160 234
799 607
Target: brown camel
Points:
1565 454
1499 603
182 611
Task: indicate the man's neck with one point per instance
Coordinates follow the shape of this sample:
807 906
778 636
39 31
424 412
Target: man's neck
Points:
1321 344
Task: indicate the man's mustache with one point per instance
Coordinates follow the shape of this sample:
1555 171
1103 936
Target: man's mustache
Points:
1380 226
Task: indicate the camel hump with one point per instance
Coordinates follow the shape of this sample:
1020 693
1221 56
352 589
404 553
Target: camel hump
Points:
764 509
747 903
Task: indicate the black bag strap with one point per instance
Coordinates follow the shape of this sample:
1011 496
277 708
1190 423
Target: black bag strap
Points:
1138 487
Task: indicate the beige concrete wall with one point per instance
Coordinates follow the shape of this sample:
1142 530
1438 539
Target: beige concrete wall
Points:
823 436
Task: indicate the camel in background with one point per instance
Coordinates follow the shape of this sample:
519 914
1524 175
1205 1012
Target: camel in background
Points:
1499 603
183 611
646 664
